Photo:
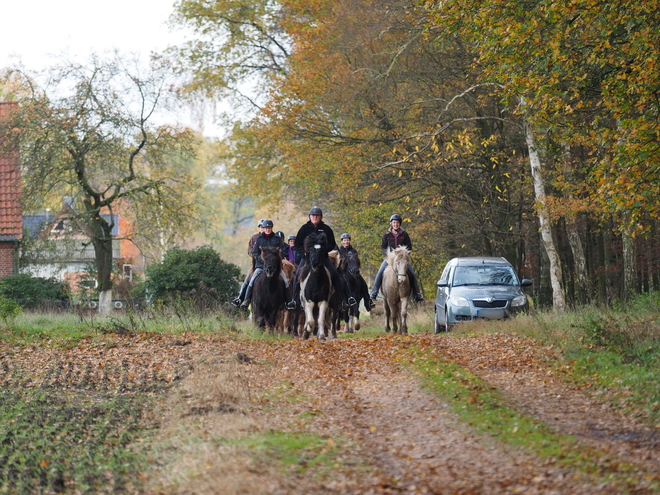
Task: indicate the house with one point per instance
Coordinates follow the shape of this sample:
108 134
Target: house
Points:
59 245
11 228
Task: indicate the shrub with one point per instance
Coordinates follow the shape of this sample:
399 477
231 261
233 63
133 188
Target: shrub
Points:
184 272
32 292
9 310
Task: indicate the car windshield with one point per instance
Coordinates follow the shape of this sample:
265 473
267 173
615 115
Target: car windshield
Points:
484 275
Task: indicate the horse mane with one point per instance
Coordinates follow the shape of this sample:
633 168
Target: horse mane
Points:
394 254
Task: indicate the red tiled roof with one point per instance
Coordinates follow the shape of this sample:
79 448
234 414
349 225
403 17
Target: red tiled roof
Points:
11 223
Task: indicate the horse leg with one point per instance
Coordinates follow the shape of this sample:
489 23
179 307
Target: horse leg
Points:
323 309
387 316
404 316
309 320
396 315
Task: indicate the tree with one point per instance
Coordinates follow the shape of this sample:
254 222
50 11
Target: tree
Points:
88 132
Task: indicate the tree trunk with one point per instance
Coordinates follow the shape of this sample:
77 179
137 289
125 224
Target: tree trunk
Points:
584 284
558 297
629 260
102 242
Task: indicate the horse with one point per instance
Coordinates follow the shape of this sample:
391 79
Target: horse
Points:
268 292
349 267
316 287
396 289
286 320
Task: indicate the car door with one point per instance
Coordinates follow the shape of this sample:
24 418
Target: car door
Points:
443 292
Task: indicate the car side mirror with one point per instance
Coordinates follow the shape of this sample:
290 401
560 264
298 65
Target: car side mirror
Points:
442 283
525 282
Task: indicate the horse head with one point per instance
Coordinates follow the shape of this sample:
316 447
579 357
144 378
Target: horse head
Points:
398 259
272 260
352 263
316 249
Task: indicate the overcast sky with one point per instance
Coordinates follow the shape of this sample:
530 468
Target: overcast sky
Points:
37 30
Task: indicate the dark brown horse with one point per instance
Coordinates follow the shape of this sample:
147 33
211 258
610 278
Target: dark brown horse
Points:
268 293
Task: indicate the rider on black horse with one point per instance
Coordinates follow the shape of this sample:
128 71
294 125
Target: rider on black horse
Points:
316 225
344 250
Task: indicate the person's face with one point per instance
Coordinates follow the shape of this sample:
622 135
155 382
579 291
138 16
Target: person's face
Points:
346 241
395 224
268 230
315 219
292 242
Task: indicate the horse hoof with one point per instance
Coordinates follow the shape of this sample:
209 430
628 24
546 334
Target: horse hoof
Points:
305 335
322 340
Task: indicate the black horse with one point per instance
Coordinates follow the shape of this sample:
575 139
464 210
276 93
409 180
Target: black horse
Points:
349 268
317 289
268 294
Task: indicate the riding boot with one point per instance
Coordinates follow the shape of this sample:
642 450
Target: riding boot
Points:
378 281
295 295
241 295
248 297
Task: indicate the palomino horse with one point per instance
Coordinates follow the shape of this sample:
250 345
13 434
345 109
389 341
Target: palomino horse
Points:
268 293
349 267
316 287
396 289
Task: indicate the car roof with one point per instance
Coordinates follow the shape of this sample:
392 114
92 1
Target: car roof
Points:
480 260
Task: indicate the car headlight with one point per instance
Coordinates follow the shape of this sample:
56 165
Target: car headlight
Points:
458 301
518 301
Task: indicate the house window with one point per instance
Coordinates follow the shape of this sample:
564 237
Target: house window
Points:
128 271
59 227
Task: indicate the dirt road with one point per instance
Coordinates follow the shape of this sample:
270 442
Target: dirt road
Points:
388 434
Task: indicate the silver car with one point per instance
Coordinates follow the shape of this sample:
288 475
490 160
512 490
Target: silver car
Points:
471 288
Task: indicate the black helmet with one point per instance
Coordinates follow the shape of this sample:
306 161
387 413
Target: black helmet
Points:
316 211
267 223
292 238
280 234
261 222
396 216
346 235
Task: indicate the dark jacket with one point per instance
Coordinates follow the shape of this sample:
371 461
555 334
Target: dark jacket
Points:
392 240
264 240
308 229
343 251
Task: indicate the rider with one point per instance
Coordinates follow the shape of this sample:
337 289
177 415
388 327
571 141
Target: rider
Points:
316 225
241 295
392 239
345 248
266 239
292 255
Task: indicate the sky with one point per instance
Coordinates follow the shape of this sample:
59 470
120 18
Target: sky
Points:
43 33
38 30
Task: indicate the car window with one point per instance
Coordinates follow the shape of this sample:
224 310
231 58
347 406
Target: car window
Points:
485 275
445 273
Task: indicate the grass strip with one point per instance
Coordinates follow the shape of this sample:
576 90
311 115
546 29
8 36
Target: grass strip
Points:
487 411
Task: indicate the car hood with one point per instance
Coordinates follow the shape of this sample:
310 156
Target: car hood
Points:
484 291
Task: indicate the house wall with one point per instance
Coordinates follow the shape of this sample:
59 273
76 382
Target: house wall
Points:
7 259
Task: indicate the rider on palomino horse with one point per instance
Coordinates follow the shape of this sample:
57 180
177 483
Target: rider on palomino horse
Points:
392 239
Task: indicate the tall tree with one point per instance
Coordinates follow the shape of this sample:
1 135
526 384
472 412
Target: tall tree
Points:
88 132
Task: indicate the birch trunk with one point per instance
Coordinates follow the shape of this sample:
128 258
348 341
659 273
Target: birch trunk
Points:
629 265
558 297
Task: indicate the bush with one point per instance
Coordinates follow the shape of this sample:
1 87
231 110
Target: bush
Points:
33 292
9 310
184 272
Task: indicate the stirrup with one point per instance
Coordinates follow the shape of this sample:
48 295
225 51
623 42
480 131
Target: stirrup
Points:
419 298
372 304
351 301
291 304
244 304
237 302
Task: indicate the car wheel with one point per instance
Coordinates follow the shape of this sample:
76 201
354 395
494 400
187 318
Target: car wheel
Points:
436 326
448 327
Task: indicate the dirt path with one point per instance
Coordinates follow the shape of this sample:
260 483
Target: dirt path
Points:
357 391
397 438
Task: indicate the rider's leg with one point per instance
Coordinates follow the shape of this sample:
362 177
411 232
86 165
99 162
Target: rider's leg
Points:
378 281
248 293
241 295
414 285
339 282
295 292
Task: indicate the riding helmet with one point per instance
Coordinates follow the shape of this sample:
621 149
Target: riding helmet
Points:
267 223
396 216
280 234
261 223
292 237
346 235
316 211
